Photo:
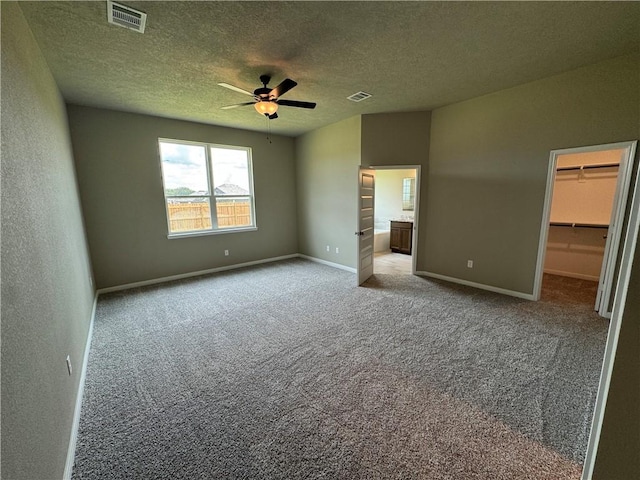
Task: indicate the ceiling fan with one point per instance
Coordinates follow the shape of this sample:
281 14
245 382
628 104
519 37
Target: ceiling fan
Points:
266 100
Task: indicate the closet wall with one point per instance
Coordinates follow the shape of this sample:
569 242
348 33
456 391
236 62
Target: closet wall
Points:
583 194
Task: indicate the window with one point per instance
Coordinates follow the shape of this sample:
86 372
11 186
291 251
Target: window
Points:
408 193
207 188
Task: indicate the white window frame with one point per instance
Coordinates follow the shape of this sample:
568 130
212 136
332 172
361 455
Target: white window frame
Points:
214 230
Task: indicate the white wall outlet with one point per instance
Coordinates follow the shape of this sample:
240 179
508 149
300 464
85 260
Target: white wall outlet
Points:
469 263
328 248
226 253
69 368
337 250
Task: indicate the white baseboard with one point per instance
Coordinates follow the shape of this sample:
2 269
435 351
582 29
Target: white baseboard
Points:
71 449
579 276
326 262
511 293
170 278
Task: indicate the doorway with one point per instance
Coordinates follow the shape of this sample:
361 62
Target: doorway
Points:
587 190
395 217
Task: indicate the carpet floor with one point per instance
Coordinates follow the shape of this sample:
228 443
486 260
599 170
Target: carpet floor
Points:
289 371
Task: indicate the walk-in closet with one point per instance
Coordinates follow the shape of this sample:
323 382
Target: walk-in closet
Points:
582 203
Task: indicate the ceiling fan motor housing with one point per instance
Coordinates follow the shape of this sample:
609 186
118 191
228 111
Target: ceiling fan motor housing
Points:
263 93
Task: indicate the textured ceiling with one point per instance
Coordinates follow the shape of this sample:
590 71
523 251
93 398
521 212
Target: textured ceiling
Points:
408 55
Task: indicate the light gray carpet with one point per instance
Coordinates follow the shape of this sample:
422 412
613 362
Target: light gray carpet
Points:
288 371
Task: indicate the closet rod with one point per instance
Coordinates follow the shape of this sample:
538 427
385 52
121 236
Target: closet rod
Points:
595 165
584 225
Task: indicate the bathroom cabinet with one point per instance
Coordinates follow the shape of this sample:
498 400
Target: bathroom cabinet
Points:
401 237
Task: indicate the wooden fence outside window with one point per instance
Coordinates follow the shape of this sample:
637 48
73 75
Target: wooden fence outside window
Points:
186 217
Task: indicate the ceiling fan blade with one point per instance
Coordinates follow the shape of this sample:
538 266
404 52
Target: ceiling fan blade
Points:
228 107
295 103
235 89
286 85
274 116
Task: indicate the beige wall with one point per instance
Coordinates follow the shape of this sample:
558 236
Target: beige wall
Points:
327 176
575 252
488 163
122 196
46 292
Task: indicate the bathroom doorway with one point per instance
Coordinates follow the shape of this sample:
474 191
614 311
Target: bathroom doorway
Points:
395 219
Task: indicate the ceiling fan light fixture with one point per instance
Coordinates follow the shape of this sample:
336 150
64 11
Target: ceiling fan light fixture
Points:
266 107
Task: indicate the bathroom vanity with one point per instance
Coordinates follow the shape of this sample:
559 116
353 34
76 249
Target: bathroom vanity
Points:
401 236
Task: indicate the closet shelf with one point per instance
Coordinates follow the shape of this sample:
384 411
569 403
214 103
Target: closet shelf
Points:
585 167
581 225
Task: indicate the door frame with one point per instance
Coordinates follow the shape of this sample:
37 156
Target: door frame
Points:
617 214
416 209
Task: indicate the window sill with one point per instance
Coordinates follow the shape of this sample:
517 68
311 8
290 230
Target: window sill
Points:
202 233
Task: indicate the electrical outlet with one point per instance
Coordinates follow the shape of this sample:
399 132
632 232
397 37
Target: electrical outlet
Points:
226 253
328 248
69 368
469 263
337 250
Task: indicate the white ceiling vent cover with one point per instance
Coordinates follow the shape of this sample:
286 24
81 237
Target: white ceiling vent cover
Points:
359 96
126 17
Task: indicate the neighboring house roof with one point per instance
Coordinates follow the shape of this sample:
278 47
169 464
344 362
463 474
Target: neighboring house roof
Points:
229 189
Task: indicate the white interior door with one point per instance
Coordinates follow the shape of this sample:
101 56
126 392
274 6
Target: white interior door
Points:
366 191
606 287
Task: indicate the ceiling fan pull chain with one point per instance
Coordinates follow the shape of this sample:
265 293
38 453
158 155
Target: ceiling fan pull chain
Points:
268 128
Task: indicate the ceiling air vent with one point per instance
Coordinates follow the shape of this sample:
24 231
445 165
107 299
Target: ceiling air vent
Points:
126 17
359 96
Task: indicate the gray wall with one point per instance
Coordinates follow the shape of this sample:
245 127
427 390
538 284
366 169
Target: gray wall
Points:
488 164
400 138
327 165
618 455
46 292
122 196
